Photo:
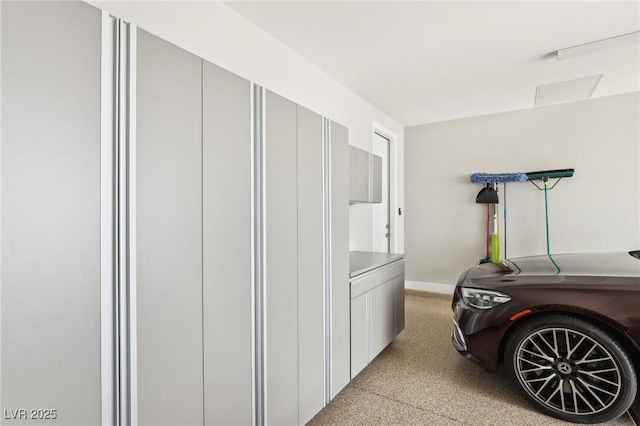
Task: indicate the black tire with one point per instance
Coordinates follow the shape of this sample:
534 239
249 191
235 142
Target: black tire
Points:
581 375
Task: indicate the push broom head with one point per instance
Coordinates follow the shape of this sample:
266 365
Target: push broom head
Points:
550 174
498 177
488 194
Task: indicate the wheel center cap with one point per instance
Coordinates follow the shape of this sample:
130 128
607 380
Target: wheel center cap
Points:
564 367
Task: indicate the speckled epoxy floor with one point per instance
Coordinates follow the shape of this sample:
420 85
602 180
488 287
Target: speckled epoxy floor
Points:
421 380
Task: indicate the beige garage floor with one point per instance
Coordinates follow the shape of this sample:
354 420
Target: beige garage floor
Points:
421 380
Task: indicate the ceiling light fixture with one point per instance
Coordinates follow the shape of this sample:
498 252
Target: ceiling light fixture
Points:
599 45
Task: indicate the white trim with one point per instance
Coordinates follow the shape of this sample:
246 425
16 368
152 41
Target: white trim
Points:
122 246
429 287
327 255
263 250
258 247
369 326
254 356
107 311
1 404
132 223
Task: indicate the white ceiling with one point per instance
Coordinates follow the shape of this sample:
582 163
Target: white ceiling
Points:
425 61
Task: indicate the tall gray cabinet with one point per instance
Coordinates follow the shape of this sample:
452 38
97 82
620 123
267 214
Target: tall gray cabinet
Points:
193 243
50 214
339 265
169 240
174 246
281 283
298 338
311 286
227 254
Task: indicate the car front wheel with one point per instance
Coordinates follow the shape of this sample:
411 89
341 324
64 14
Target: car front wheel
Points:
571 369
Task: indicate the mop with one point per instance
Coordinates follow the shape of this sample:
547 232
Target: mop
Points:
489 195
545 176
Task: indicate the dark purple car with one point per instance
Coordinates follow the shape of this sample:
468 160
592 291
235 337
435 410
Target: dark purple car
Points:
566 327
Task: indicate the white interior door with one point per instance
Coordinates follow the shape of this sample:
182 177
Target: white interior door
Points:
381 224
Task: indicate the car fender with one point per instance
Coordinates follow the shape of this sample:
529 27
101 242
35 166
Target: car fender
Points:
615 328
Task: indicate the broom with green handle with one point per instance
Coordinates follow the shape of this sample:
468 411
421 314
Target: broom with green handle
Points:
545 176
495 235
489 195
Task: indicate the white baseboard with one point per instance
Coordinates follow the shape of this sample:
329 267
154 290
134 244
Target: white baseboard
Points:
429 287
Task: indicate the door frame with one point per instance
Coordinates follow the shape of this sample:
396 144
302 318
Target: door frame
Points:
394 218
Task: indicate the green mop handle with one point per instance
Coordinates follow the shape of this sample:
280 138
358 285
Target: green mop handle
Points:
545 180
504 216
495 237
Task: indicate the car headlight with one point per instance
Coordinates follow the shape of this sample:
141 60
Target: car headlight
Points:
483 299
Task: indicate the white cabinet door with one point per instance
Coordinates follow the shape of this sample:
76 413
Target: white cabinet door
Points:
340 332
382 317
310 265
227 247
51 243
360 329
282 261
169 234
358 175
377 313
398 302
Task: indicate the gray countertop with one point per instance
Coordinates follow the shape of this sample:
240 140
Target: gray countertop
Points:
364 261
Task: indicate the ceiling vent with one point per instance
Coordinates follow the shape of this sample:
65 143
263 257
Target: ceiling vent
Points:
567 91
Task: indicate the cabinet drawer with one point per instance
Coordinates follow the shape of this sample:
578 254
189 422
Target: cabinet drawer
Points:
366 283
376 277
393 270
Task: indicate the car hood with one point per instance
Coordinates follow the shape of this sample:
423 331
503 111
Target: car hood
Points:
620 264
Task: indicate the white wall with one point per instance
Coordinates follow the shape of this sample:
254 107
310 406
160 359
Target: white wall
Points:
598 209
217 33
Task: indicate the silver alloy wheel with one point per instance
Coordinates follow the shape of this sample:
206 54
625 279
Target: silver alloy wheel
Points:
567 371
